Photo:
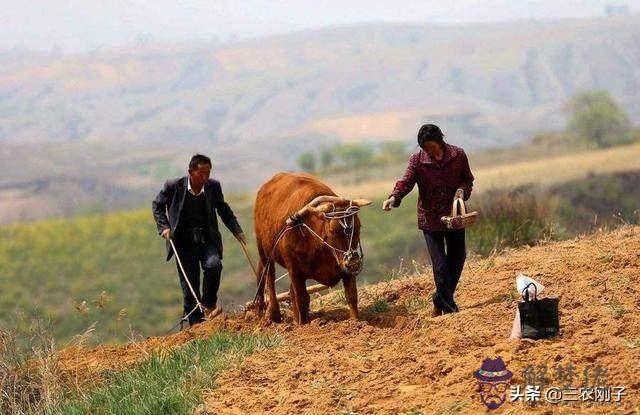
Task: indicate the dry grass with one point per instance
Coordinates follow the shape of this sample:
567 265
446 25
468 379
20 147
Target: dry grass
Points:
546 172
30 377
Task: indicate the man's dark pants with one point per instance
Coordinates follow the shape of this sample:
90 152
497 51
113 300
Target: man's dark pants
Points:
193 256
448 253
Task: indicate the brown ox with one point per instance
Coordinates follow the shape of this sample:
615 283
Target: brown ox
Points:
301 203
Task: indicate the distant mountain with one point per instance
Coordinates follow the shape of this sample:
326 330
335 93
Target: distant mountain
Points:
487 84
255 105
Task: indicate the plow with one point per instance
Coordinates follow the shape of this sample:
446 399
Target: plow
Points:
286 294
249 305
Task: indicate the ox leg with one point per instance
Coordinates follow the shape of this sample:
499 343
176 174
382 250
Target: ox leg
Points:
351 294
273 308
299 299
294 303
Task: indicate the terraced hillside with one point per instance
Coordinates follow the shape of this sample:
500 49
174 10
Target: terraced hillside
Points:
399 359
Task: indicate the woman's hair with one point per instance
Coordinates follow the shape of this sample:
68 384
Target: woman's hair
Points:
430 132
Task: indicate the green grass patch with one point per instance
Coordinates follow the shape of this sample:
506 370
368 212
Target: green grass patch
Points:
633 343
511 296
417 303
453 407
379 306
617 309
171 384
606 258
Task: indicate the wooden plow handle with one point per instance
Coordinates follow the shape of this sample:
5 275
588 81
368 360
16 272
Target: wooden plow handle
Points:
285 295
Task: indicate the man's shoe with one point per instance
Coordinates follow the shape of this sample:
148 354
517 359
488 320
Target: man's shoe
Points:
436 312
210 313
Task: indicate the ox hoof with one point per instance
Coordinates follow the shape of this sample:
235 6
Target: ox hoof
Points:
274 318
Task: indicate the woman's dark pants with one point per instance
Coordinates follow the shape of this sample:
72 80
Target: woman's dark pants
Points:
194 256
448 253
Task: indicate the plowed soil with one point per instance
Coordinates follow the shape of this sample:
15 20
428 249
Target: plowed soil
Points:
399 359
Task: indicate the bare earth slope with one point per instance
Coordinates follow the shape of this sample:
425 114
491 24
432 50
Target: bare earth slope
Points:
398 359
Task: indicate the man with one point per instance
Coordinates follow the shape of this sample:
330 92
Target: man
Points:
185 211
441 171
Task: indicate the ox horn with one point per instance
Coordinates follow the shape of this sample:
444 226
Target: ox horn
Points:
360 202
312 205
326 207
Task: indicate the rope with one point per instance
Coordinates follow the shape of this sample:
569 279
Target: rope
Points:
186 278
281 276
349 212
322 240
266 266
184 319
340 216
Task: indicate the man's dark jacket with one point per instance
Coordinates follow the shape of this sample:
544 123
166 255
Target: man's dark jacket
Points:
167 207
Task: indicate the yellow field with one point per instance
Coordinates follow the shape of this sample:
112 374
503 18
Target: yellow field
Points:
545 172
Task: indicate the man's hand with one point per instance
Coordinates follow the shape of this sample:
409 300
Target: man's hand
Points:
459 194
387 205
166 234
243 239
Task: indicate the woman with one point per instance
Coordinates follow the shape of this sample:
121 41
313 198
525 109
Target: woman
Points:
442 172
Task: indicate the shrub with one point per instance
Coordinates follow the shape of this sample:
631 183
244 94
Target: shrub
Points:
512 219
595 117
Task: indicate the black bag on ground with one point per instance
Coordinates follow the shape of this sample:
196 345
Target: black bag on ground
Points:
539 318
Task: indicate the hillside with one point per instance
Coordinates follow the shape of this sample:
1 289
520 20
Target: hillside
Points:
399 359
542 169
111 124
113 262
355 83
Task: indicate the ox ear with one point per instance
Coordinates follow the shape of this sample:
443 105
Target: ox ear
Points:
361 202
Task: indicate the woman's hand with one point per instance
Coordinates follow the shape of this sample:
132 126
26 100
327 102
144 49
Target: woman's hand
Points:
387 205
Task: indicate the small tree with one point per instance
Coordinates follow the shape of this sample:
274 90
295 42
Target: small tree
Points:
394 150
595 117
307 161
354 155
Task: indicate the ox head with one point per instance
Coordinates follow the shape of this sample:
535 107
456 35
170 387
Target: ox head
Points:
334 222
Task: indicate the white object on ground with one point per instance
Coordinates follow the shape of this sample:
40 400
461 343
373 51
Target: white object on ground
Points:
522 281
516 330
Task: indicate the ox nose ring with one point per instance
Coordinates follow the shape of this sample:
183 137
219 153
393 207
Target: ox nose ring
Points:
352 262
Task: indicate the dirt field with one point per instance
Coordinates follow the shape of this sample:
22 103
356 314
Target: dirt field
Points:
399 359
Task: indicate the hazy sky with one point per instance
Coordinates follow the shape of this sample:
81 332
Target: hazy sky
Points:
87 24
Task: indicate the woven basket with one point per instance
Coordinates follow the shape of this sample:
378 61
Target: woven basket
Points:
459 220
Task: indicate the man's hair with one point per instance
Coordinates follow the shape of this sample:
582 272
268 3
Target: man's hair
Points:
430 132
197 160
